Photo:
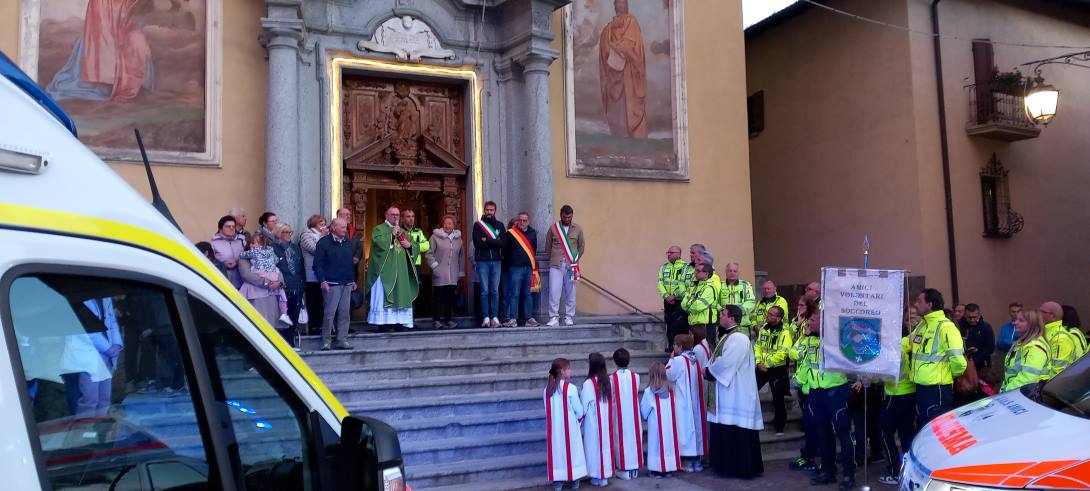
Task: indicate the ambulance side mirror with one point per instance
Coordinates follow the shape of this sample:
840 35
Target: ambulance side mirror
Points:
370 454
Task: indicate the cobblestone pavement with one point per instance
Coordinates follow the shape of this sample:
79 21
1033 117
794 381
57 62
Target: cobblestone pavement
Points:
776 478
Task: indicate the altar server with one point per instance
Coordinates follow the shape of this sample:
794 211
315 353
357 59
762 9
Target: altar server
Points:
563 415
597 396
658 407
681 371
628 426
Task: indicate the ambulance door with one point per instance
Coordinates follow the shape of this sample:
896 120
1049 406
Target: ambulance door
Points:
128 381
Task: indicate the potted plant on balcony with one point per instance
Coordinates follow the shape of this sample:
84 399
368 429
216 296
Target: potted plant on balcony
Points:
1012 82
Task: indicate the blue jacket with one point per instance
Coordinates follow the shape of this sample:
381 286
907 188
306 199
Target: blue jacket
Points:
289 260
333 260
1007 337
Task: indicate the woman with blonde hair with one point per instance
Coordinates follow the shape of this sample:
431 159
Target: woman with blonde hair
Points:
658 407
1027 362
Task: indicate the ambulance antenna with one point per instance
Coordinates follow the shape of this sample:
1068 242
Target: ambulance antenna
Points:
156 199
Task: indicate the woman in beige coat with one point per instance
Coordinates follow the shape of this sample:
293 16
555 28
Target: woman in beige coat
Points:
446 262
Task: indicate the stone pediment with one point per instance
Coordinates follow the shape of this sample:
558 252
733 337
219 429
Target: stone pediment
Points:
408 39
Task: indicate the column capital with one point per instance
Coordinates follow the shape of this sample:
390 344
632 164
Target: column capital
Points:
283 25
536 60
506 69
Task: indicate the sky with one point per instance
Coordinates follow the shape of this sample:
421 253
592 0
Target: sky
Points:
753 11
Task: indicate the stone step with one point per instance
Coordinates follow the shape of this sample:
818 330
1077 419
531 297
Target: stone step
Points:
484 350
462 337
474 448
539 364
477 474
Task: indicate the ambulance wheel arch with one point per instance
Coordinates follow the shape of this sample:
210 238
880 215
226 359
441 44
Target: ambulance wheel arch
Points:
192 304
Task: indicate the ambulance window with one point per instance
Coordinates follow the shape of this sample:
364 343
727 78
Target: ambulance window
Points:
104 374
1069 391
266 416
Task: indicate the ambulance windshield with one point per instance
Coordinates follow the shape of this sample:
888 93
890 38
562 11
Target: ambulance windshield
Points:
1069 392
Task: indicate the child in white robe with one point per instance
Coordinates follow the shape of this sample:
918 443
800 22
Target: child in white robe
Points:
628 425
658 406
702 353
597 396
680 371
563 415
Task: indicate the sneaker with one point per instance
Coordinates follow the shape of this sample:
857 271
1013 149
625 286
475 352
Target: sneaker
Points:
451 324
296 349
284 319
822 479
779 433
624 476
656 475
802 465
846 483
343 345
437 325
326 347
553 322
575 484
558 485
568 321
603 482
487 322
531 322
510 323
889 480
697 467
495 322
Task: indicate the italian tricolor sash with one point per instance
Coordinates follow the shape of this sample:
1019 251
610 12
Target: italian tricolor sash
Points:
569 252
488 230
535 278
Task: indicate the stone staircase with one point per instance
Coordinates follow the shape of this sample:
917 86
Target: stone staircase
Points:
467 403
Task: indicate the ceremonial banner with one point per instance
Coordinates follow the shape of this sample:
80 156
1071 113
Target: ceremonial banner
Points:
861 320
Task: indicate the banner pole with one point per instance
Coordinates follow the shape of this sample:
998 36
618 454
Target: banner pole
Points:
866 387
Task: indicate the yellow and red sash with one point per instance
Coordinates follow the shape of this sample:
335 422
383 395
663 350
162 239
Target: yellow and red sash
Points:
569 252
535 278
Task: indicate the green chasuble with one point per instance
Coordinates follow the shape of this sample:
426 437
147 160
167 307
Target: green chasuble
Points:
393 264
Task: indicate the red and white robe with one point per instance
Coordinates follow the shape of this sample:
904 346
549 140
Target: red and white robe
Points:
597 430
663 448
628 425
563 415
699 387
679 371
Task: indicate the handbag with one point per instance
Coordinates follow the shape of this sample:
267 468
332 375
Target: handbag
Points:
357 299
968 382
303 318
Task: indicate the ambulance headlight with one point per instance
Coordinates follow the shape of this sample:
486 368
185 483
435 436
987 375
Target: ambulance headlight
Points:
936 485
24 163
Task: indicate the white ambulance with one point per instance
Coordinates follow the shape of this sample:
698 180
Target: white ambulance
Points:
128 361
1034 438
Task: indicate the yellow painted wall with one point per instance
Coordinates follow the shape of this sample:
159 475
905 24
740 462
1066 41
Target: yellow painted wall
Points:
836 159
199 196
630 224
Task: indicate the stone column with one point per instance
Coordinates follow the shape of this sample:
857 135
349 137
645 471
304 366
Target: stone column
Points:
539 165
283 31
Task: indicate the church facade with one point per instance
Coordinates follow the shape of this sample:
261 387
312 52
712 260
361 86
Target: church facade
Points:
632 114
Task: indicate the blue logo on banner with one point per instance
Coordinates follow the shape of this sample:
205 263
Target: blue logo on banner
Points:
860 338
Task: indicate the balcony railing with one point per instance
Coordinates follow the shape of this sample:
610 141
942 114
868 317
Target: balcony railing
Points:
998 115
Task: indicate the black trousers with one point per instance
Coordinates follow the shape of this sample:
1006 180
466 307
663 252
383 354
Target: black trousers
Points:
443 302
864 418
931 401
676 321
315 305
295 304
830 407
810 445
898 418
776 377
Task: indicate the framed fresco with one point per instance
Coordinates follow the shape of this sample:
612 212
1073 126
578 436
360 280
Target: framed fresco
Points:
115 65
625 89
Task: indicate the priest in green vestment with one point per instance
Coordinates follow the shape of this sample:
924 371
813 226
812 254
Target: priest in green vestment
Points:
391 275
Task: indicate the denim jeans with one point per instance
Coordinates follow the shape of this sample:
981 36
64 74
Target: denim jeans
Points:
518 292
488 273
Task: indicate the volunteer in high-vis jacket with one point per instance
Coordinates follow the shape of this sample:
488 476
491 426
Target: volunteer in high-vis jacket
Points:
700 302
1060 341
1027 362
94 282
938 355
770 356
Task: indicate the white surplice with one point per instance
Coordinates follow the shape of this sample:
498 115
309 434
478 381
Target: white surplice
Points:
563 415
735 385
700 414
679 371
597 429
659 410
627 425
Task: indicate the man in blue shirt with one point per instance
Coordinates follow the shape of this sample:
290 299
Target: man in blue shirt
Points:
1007 336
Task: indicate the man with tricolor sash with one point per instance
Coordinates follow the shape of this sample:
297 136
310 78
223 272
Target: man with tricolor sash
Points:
564 246
521 275
488 250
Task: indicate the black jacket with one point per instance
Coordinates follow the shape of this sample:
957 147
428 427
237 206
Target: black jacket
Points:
513 255
291 270
484 248
982 337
